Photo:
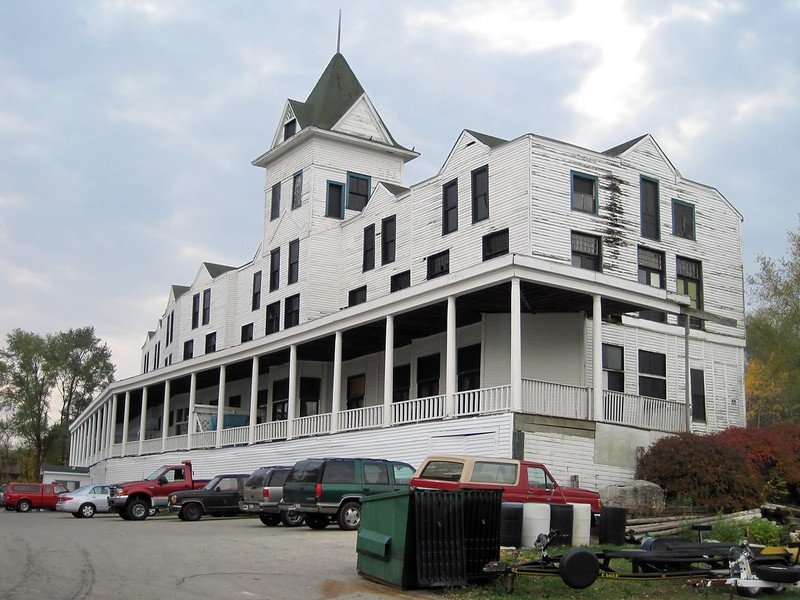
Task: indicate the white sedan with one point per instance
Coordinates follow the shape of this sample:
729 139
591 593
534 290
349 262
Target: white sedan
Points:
85 501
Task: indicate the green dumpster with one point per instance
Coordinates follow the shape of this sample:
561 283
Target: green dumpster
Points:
385 543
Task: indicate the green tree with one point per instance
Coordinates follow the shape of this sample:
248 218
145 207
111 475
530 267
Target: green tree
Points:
27 377
773 338
83 367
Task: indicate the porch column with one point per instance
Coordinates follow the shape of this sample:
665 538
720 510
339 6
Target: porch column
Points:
165 416
142 419
192 399
451 377
101 432
220 405
336 396
388 371
112 430
253 401
516 346
96 433
597 357
126 416
687 374
71 448
291 409
78 447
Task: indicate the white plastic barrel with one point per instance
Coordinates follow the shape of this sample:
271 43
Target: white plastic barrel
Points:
581 524
535 520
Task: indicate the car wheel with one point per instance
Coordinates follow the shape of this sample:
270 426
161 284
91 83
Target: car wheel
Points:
349 516
292 518
87 510
77 515
270 520
192 512
317 521
137 510
23 506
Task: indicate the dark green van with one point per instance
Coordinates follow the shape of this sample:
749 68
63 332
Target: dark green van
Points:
323 489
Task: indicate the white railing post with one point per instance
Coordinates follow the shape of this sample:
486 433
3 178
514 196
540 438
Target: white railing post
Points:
220 405
388 371
292 402
165 416
451 375
126 417
597 358
251 433
192 404
112 434
142 419
336 392
516 346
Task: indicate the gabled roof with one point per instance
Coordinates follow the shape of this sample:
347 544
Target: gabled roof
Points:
489 140
179 290
336 91
395 189
617 150
216 270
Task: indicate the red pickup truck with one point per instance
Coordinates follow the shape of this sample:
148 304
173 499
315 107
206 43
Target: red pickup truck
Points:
136 500
521 480
22 497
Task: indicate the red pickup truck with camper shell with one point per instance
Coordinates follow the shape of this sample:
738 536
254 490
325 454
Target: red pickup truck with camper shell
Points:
136 500
521 480
22 497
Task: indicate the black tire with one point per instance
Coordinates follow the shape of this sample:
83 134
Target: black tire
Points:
24 506
747 592
776 590
77 515
777 573
270 520
124 515
578 568
317 521
137 510
292 518
9 508
87 510
349 516
192 511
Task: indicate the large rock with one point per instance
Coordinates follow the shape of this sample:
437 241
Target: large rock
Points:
639 497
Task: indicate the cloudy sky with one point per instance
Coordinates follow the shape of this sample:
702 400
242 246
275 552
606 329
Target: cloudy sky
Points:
127 127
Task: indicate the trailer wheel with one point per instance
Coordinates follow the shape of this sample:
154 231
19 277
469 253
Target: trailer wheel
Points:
578 568
777 573
747 592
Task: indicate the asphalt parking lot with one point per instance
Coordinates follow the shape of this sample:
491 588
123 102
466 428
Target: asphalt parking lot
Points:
53 555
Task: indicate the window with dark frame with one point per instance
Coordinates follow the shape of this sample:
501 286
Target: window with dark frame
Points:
357 191
196 311
289 129
428 375
450 207
356 386
211 342
438 264
652 374
689 281
584 193
400 281
156 355
401 383
651 272
368 255
297 190
650 214
256 304
480 194
206 306
309 396
683 220
334 206
495 244
247 332
468 365
294 262
357 296
188 349
388 239
275 203
698 395
291 312
585 251
146 362
171 328
280 399
274 269
613 368
273 317
235 401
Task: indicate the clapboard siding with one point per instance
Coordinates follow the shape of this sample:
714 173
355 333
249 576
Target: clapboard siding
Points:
361 121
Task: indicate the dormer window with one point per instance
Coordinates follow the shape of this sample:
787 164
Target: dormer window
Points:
289 129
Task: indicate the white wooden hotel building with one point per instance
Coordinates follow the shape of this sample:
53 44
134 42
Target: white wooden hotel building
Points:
527 300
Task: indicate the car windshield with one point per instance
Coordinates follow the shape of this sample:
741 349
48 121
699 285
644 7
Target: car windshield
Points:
213 483
155 474
83 490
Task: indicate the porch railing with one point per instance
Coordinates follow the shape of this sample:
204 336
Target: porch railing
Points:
361 418
538 397
555 399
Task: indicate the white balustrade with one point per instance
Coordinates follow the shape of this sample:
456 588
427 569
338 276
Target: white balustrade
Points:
645 412
151 446
361 418
177 442
204 439
418 409
271 430
235 436
482 401
555 399
312 425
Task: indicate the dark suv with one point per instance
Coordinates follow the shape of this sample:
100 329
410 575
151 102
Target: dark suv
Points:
332 488
262 493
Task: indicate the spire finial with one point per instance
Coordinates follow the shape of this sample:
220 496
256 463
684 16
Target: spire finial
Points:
339 34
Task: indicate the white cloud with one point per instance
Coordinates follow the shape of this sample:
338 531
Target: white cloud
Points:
150 9
23 277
